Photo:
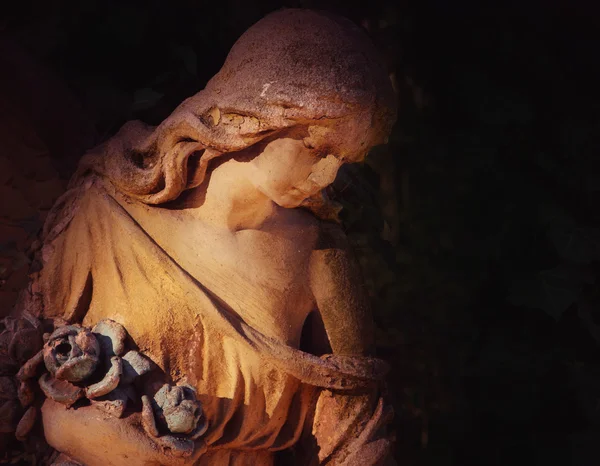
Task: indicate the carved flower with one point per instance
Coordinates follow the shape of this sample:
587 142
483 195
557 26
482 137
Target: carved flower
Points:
84 363
174 410
71 353
177 408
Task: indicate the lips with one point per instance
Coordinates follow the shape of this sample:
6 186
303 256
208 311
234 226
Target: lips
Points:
302 192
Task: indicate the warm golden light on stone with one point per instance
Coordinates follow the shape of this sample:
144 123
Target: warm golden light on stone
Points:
199 259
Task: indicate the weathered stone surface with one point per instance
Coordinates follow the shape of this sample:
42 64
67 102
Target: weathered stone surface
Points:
61 391
178 409
114 403
72 353
208 239
111 336
26 423
9 405
134 365
108 383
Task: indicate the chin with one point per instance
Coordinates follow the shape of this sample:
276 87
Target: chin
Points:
289 202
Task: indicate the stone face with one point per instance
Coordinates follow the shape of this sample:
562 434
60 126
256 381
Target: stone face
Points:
207 243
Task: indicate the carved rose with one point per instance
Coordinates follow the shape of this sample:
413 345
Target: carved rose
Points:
177 408
80 363
84 363
71 353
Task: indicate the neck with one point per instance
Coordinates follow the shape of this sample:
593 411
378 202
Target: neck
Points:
228 199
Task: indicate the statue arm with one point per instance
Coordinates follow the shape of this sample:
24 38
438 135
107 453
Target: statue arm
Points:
340 295
348 428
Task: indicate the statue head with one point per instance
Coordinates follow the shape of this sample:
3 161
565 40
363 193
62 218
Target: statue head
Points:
305 90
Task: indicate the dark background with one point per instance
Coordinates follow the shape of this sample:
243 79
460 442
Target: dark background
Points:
478 226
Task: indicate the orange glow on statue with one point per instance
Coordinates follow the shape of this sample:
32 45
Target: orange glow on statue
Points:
188 236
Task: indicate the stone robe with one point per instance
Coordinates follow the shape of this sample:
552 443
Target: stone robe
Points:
101 260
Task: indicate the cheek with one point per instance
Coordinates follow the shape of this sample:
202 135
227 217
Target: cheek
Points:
284 174
283 180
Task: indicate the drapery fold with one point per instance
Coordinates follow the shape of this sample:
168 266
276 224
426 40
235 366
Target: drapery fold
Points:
258 393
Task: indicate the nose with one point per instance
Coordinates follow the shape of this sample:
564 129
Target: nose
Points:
325 171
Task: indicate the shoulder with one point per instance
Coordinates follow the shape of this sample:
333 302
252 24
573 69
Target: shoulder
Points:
297 224
331 236
322 234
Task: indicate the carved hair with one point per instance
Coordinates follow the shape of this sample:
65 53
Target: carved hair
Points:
292 67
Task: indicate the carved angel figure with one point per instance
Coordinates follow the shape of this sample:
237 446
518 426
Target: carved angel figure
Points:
209 239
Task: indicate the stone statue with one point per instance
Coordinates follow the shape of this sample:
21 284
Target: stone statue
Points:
195 301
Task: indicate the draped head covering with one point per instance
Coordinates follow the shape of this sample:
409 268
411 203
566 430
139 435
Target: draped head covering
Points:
293 67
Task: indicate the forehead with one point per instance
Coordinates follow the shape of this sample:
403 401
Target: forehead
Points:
348 138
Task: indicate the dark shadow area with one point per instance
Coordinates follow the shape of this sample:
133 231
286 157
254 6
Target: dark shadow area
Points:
477 226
